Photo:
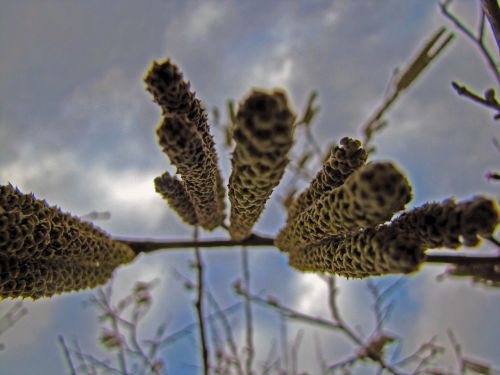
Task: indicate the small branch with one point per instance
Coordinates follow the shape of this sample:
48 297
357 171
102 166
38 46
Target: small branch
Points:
248 311
146 246
67 355
478 40
490 101
226 325
199 305
462 259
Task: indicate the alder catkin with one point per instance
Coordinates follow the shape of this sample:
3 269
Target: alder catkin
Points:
263 132
165 82
33 233
450 224
371 252
341 163
184 145
369 196
173 191
45 278
399 246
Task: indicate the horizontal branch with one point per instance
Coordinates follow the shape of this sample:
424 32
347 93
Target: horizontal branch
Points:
146 246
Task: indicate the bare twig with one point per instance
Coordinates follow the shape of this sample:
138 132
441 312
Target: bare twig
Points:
67 355
11 317
478 40
199 306
489 99
187 330
295 350
228 332
248 312
106 302
457 349
427 54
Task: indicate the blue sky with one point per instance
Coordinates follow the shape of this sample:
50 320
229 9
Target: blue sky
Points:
77 128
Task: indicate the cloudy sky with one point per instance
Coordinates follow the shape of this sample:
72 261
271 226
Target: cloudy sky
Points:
77 128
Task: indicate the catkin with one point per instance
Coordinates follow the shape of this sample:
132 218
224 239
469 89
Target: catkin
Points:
450 224
369 196
165 82
341 163
173 191
184 145
32 233
399 246
263 132
371 252
45 278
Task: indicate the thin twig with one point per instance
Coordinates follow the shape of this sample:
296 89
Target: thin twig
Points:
457 349
407 77
463 90
105 299
67 355
199 305
295 350
11 317
187 330
226 325
248 312
478 40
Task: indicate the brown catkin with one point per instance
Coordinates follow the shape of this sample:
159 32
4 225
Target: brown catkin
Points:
371 252
45 278
173 191
341 163
32 232
263 132
369 196
399 246
184 145
165 82
450 224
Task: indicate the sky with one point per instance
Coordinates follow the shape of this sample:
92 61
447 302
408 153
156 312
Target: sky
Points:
77 129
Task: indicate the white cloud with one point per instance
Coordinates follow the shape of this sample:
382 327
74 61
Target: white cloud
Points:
203 17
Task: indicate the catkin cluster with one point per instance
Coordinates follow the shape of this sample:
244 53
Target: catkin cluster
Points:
399 246
44 251
263 132
184 118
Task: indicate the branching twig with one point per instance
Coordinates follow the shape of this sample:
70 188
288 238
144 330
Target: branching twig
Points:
489 99
478 40
431 50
